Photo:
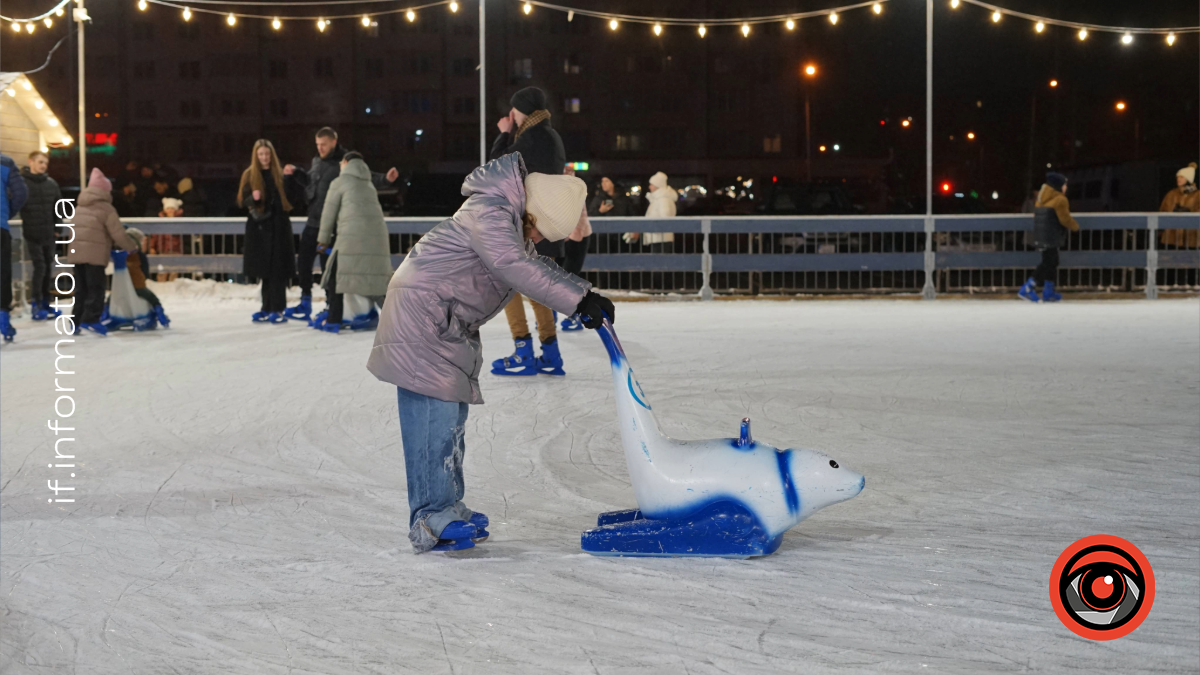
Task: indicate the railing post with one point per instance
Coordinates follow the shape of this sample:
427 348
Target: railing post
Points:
1152 257
706 260
929 292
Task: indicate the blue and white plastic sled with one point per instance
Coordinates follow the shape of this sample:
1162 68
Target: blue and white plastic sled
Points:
725 497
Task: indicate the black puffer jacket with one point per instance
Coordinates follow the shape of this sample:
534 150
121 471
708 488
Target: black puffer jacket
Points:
37 216
317 178
542 149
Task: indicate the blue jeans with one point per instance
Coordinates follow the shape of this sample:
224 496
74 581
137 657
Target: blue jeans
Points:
432 432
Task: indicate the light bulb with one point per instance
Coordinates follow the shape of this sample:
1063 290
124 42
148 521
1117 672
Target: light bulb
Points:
658 29
48 21
1170 39
790 24
527 8
1082 33
29 27
612 25
953 4
321 23
187 14
27 85
231 19
276 23
454 7
833 17
745 30
60 11
1040 27
16 27
877 8
1127 39
143 5
66 140
53 122
702 30
996 17
39 104
410 15
366 21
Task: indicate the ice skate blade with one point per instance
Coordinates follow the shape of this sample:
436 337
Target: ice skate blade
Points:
721 529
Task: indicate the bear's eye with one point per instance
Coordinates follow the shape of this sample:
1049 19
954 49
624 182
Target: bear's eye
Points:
833 464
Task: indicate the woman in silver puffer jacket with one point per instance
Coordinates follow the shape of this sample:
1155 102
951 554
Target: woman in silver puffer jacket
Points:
456 278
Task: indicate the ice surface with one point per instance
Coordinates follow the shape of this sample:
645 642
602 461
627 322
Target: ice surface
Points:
243 509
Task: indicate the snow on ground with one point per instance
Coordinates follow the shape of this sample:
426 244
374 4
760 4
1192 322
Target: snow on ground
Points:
243 509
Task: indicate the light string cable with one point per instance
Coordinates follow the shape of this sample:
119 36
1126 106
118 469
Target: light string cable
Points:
1078 25
280 17
39 17
674 21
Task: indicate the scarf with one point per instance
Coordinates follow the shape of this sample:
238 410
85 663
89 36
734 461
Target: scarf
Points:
1189 187
535 118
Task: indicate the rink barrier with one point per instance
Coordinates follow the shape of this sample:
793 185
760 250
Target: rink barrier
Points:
704 262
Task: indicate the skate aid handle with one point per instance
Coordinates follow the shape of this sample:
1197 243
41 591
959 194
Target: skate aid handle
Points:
594 309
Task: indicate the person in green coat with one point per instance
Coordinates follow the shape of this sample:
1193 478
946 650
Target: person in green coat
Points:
352 225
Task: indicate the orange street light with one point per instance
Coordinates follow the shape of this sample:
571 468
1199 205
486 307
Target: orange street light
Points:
1120 105
905 123
822 148
970 135
810 70
1053 83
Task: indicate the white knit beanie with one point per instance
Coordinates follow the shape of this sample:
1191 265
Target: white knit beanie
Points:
556 202
659 180
1188 172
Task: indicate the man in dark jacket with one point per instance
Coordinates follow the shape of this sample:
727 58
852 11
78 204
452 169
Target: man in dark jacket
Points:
38 222
12 198
325 167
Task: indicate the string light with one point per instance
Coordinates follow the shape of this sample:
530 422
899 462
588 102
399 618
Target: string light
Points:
612 25
187 14
527 8
231 19
454 7
790 25
658 29
833 17
276 23
29 28
16 28
1082 33
702 30
996 17
1170 39
143 5
27 85
366 21
877 8
1127 39
1040 27
59 12
48 21
321 24
745 30
953 4
411 16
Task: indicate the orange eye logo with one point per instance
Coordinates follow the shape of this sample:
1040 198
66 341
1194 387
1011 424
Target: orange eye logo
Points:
1102 587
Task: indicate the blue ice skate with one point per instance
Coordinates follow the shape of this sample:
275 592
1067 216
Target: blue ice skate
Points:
6 327
550 362
727 497
1029 290
456 536
572 323
1048 294
368 321
318 320
300 311
480 522
39 311
161 315
522 362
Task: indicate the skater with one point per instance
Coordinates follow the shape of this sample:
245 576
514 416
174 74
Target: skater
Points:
325 167
662 198
12 198
1185 198
38 231
1052 215
138 266
360 262
97 229
575 253
269 254
526 129
457 277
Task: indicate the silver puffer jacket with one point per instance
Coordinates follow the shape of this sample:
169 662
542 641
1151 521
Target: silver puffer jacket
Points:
457 277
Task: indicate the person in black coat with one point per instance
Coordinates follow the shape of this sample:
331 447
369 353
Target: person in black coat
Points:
316 180
269 253
38 220
609 201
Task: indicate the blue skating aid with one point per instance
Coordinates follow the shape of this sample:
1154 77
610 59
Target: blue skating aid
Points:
725 497
126 309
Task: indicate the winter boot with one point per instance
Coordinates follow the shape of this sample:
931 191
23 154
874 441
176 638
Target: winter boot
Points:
572 323
300 311
522 362
38 311
1048 294
1029 290
161 316
550 362
6 327
456 536
318 320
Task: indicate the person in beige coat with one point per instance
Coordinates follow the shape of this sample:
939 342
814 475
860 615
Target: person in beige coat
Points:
1185 198
352 224
97 228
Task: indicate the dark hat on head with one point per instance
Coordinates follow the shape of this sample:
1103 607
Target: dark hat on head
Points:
528 100
352 155
1056 180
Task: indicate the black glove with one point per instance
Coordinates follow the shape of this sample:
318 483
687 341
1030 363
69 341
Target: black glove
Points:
593 309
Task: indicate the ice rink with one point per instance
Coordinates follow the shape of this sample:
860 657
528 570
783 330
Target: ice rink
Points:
242 504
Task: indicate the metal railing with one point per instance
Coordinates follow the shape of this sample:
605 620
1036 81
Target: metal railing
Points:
755 255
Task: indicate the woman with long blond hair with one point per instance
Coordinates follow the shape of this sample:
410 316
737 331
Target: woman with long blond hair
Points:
269 252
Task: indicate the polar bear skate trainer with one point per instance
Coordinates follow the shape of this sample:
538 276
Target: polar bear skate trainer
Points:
727 497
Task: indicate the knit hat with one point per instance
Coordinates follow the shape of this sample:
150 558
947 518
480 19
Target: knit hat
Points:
97 180
1056 180
659 180
556 202
172 203
135 234
1188 172
529 99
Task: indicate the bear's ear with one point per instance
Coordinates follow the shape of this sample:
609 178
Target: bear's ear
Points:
744 439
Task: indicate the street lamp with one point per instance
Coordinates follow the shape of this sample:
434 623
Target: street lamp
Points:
1053 83
810 72
1120 105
